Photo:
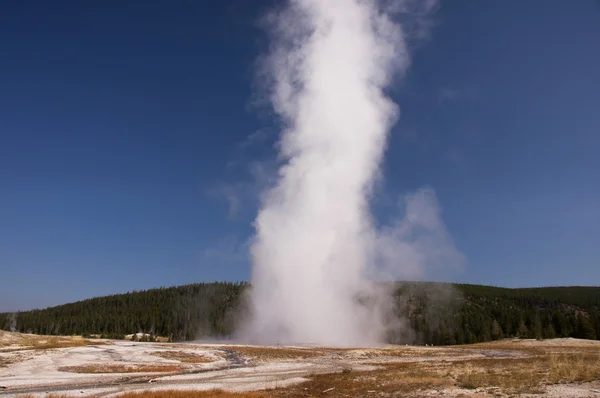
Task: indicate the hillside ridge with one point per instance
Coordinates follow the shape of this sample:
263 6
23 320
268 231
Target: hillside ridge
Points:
436 313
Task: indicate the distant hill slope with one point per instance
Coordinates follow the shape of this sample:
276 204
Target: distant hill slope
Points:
435 313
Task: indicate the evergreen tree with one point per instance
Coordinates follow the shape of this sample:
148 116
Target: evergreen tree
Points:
496 330
434 313
523 330
584 329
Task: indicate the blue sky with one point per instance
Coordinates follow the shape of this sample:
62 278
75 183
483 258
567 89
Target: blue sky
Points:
133 145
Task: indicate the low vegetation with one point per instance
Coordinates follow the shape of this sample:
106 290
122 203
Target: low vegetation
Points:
182 356
571 368
175 394
397 378
503 376
528 375
193 394
435 313
18 342
508 367
118 368
275 353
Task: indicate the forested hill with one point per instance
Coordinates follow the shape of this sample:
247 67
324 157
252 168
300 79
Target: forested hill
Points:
437 313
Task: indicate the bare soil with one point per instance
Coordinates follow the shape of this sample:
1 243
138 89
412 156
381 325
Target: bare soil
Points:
46 366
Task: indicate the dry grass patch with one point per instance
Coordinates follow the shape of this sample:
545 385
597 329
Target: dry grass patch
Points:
18 342
500 345
274 353
391 379
538 347
193 394
45 396
176 394
46 343
509 375
528 375
571 368
119 368
182 356
425 352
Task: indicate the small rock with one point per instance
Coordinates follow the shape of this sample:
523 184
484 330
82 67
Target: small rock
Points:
329 389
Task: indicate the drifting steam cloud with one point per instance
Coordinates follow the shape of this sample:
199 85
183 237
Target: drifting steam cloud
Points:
316 250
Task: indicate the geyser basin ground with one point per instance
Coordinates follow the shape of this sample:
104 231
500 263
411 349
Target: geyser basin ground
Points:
71 366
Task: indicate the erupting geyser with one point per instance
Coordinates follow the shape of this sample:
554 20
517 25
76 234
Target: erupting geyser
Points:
315 243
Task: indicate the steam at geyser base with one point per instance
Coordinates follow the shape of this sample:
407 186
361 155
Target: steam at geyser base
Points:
316 252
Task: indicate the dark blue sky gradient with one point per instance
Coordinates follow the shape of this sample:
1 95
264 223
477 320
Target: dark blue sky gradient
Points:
124 142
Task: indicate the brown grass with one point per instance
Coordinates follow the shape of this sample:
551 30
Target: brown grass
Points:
35 342
118 368
177 394
538 347
193 394
391 379
516 375
528 375
541 364
511 376
182 356
271 353
45 396
55 342
573 368
423 352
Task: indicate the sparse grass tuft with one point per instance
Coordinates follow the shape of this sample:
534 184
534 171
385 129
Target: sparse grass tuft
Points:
499 368
54 342
193 394
118 368
517 380
528 375
571 368
391 379
177 394
271 353
19 342
513 375
45 396
182 356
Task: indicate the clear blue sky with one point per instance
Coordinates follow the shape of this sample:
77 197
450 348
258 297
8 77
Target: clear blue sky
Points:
132 149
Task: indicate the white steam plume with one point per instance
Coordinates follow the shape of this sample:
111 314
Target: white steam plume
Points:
315 248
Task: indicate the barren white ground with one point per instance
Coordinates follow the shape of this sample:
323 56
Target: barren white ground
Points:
36 372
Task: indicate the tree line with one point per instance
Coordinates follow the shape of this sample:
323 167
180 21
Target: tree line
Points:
430 313
473 313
